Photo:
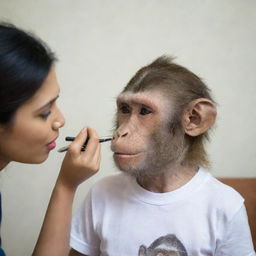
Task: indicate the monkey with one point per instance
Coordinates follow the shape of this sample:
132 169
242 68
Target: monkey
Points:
168 245
163 118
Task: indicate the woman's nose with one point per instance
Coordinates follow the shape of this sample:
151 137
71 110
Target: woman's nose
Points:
59 121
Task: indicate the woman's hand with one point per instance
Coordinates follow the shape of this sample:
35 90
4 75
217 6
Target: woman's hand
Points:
78 165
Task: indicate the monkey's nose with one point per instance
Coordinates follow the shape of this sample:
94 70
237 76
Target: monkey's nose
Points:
119 134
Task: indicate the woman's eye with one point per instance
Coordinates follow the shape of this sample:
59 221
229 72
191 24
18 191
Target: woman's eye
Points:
145 111
125 109
45 115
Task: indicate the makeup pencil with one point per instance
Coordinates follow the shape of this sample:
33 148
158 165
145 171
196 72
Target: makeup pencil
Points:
103 139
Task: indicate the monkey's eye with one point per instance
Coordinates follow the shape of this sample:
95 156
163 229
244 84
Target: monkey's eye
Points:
145 111
124 109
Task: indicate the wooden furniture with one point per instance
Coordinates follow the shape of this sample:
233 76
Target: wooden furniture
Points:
247 188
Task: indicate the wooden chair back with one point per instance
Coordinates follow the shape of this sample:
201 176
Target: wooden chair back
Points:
247 188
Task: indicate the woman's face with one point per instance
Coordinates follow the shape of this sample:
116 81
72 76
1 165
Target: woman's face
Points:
35 127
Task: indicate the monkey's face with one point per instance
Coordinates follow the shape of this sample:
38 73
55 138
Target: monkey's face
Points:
142 138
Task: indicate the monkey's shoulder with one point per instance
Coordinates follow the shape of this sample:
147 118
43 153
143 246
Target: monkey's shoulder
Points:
223 197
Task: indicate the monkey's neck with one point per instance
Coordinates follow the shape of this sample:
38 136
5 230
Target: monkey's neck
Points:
169 180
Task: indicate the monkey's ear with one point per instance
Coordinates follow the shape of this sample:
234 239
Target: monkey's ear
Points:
199 116
142 250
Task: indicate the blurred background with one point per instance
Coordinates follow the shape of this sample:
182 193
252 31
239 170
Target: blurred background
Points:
100 44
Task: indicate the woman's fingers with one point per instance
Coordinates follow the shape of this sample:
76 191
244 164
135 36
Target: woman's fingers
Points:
89 136
96 159
93 143
88 160
76 145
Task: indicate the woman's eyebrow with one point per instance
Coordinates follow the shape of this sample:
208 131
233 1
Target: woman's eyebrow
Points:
48 104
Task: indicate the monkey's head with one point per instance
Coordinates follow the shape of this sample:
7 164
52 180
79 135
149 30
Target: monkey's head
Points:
163 117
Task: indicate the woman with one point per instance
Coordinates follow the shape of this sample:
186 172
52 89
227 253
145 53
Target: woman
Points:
29 126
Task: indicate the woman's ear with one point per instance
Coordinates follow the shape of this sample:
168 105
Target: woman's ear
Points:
199 116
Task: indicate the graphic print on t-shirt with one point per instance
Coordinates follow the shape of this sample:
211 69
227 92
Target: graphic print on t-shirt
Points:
168 245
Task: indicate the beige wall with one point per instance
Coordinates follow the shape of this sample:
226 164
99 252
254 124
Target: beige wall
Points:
100 44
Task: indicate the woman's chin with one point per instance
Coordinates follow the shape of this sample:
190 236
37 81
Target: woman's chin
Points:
38 159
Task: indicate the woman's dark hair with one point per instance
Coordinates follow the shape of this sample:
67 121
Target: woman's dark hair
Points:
25 62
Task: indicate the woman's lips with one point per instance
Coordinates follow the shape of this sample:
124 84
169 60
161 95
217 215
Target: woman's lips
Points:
52 144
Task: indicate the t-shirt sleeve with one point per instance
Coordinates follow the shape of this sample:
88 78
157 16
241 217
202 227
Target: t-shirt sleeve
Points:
237 239
83 236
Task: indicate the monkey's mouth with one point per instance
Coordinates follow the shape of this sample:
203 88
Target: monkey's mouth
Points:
125 155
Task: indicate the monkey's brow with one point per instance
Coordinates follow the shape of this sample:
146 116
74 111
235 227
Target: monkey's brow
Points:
140 102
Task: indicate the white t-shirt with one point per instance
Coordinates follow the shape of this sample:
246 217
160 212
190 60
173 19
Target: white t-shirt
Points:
203 217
